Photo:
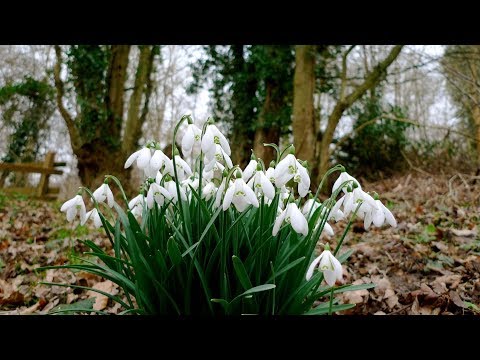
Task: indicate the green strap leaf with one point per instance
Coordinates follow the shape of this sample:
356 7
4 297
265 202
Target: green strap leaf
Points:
173 251
241 273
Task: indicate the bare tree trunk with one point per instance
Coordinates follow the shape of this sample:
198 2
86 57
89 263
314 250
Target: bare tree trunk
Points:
476 119
133 126
103 154
266 133
116 76
304 124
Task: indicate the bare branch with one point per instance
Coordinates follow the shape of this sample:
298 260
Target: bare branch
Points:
344 72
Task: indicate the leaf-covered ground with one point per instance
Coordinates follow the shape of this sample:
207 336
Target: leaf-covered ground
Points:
429 264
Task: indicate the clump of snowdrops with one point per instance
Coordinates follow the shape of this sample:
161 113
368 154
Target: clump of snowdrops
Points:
204 236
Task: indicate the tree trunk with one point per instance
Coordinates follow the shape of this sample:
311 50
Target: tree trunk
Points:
101 154
133 127
476 119
267 131
95 160
116 76
243 113
304 124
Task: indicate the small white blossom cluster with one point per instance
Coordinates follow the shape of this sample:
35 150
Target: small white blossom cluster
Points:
227 186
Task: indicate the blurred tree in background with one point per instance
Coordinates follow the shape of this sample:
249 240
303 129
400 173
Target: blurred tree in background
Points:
377 141
461 66
25 107
101 130
313 143
251 88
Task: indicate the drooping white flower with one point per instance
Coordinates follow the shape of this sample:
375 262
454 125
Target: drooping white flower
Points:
144 157
294 217
211 138
376 216
192 136
261 185
139 199
171 187
93 214
104 193
240 195
157 160
208 191
302 179
158 194
214 165
183 169
307 207
344 176
221 189
136 205
284 195
250 169
351 199
290 168
218 154
74 206
285 170
327 229
270 174
329 265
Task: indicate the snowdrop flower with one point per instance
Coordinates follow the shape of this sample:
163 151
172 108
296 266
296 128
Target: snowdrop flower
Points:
250 169
218 154
336 213
137 211
290 168
351 199
240 195
93 214
220 191
284 195
183 169
139 199
377 216
344 176
158 194
171 187
270 174
329 265
214 165
192 136
285 170
211 139
74 206
104 193
294 217
143 157
136 205
208 191
327 229
261 185
308 206
158 159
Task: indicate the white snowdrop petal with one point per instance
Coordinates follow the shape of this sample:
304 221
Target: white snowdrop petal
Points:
131 159
227 200
312 267
144 158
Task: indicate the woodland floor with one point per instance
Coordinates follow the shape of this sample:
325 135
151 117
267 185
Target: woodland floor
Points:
429 264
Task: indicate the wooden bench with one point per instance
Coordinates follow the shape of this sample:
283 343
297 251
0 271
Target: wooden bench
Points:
46 169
